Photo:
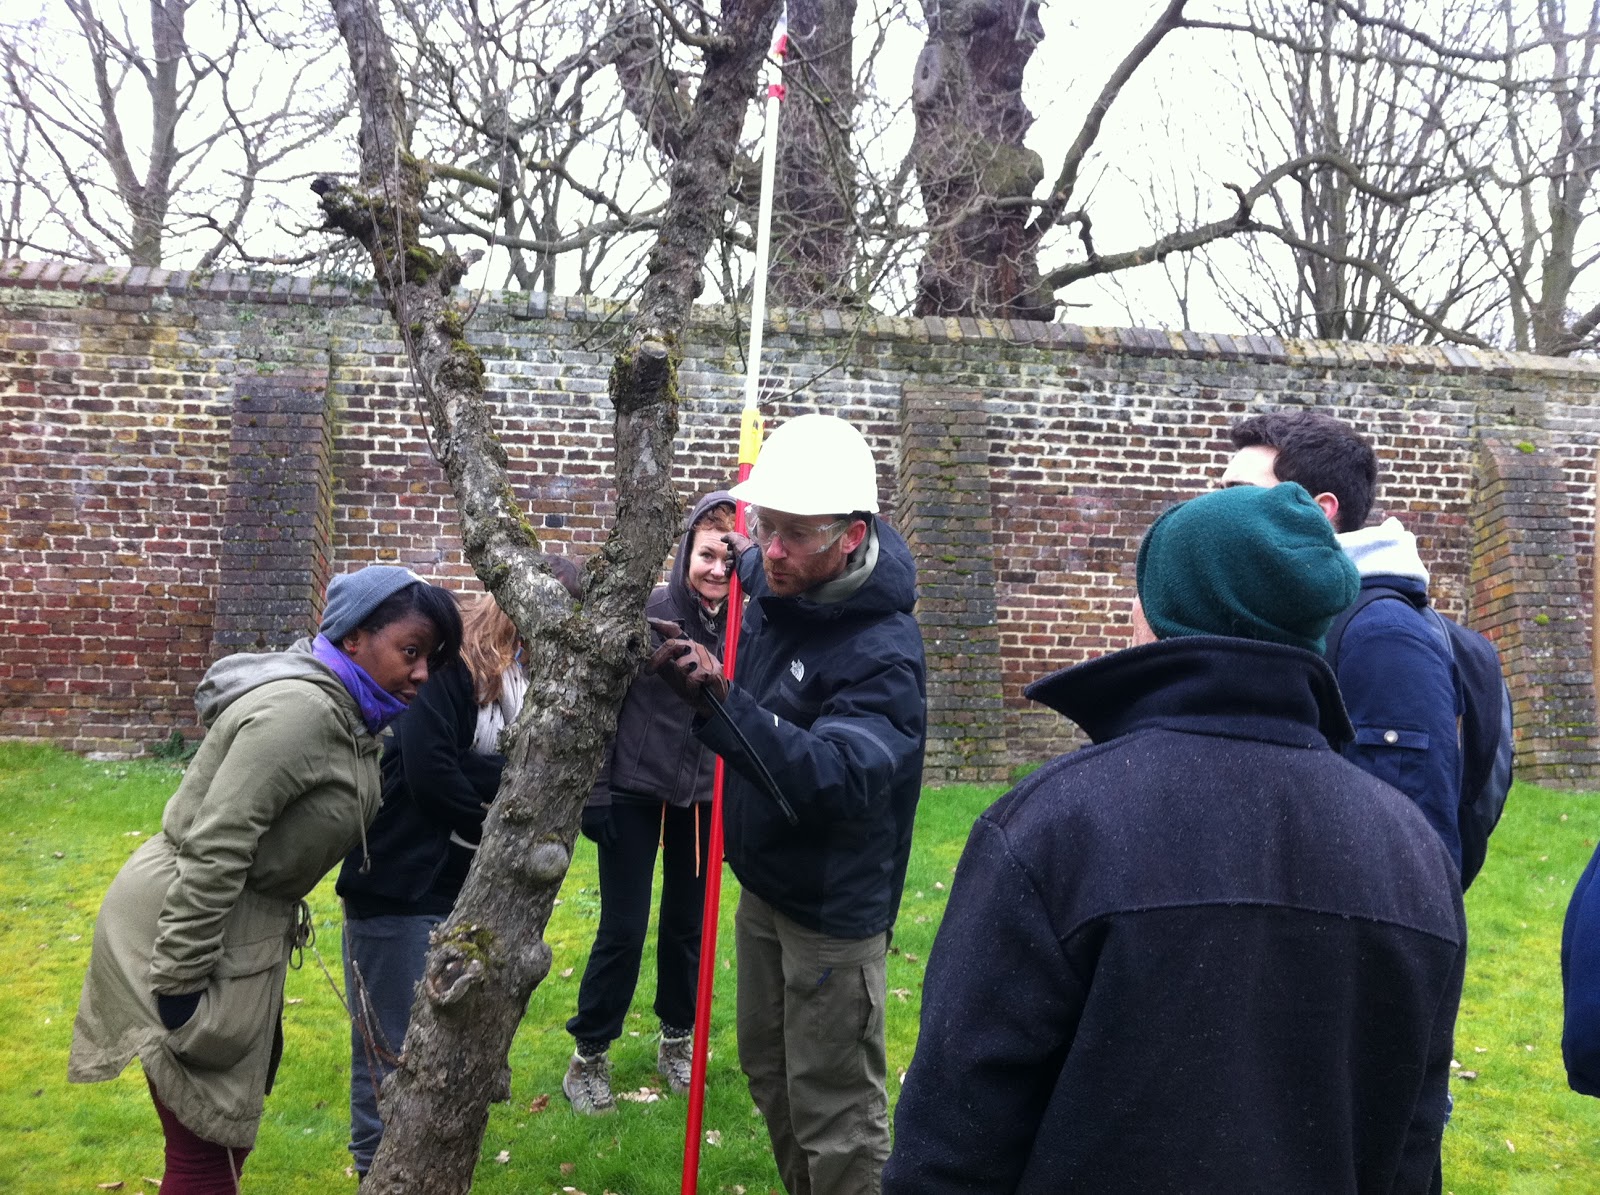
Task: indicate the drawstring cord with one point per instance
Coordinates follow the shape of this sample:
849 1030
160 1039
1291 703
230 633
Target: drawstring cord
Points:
305 934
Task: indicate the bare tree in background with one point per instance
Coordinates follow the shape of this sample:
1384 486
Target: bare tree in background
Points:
1534 214
1365 236
549 131
490 954
987 229
146 135
815 232
19 217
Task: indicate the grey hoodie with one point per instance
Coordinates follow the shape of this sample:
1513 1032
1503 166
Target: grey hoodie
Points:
231 677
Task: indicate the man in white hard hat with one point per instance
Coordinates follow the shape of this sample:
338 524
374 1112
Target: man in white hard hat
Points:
830 697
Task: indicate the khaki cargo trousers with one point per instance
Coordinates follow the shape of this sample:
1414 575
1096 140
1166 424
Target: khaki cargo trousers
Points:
810 1025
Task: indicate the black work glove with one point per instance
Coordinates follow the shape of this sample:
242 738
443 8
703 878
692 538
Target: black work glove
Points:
175 1011
597 825
689 669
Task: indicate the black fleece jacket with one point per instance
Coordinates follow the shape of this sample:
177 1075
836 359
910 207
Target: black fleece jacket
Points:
831 697
654 755
433 783
1206 954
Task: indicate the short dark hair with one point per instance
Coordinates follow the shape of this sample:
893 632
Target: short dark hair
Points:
435 604
1324 454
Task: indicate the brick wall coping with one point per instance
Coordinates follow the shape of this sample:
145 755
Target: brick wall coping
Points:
256 287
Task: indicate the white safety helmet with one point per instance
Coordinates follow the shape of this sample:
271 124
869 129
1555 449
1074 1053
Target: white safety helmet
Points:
813 465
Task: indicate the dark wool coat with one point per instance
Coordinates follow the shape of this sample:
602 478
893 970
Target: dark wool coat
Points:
831 697
1205 954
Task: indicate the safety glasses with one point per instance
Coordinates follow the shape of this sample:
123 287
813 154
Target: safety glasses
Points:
798 539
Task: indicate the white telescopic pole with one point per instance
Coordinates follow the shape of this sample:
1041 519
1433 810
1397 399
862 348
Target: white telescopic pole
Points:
769 169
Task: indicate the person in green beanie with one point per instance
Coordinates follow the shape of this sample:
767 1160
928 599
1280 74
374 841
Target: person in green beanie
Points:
1206 953
1253 564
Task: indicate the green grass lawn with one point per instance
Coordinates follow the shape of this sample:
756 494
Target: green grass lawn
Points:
66 825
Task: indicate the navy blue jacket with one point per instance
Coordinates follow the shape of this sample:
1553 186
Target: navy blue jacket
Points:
1204 954
433 783
1580 984
1399 687
832 699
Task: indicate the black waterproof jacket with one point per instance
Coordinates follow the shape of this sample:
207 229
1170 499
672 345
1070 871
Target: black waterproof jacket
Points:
654 755
434 784
831 697
1206 954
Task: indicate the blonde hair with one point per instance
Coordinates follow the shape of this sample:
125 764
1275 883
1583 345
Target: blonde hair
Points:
488 646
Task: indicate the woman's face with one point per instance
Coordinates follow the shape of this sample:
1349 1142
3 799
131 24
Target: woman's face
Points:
708 566
395 656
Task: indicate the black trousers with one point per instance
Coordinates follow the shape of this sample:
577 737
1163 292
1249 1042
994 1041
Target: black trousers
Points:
627 868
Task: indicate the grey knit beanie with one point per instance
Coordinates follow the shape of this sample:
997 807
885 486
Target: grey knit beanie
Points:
353 596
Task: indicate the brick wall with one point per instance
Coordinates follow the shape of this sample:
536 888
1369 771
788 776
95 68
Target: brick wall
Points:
1526 597
122 464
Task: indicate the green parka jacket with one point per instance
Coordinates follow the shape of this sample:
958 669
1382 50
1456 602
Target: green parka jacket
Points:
283 786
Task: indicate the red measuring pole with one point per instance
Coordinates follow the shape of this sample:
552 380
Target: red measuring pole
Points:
713 900
749 449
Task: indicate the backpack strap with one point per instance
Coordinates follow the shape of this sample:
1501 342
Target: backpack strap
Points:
1369 594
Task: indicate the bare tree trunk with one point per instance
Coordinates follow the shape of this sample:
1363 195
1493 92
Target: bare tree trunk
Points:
1572 89
488 957
146 199
813 217
968 154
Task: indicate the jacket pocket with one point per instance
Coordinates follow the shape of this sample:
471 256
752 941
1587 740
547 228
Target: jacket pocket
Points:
237 1008
1397 755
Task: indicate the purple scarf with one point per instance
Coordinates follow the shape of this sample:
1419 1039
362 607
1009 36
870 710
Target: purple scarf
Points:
378 707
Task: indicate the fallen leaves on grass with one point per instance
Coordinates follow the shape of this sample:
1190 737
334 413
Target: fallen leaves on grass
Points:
568 1167
645 1095
540 1103
503 1156
713 1137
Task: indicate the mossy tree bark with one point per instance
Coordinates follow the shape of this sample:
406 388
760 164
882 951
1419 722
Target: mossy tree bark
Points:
490 954
814 201
970 159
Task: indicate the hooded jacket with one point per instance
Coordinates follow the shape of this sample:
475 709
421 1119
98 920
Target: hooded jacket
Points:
1204 954
1399 685
829 693
283 785
654 755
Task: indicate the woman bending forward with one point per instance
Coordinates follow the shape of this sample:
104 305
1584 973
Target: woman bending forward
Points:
194 938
